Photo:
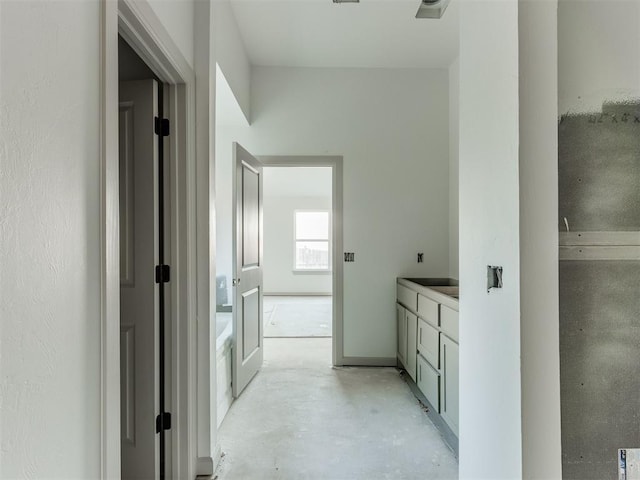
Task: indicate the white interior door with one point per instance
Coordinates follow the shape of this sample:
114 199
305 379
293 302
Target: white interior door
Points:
247 269
139 308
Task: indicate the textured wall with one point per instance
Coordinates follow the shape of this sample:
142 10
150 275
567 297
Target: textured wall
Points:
490 413
50 243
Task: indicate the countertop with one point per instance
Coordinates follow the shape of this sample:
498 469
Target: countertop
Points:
442 290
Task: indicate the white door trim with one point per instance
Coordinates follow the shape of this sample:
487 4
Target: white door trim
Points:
140 26
335 163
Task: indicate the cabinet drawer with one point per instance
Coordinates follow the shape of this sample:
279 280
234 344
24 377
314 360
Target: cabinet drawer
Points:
407 297
429 382
449 322
428 309
429 343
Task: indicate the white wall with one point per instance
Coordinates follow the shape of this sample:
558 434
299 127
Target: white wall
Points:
597 53
285 191
279 246
231 55
50 248
49 251
454 141
177 18
541 445
391 126
490 422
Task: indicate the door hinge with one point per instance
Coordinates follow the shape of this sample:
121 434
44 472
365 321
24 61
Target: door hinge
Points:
162 126
163 273
163 422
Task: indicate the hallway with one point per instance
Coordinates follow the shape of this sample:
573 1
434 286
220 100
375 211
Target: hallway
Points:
301 419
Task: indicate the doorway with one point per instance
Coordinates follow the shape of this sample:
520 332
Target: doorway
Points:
145 333
297 252
332 300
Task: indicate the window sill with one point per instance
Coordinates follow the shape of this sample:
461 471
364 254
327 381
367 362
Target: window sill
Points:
312 272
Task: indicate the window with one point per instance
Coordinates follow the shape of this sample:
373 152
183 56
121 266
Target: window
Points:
311 240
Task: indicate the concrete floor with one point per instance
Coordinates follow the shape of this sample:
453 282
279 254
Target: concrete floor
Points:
302 419
297 316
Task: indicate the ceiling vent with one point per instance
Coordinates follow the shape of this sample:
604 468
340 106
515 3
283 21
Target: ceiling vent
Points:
431 8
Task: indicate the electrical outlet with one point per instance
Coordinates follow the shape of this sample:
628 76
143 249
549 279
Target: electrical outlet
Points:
420 257
349 257
629 464
494 277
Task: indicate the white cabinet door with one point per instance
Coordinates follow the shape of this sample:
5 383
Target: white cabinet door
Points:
449 404
401 318
429 382
412 348
429 343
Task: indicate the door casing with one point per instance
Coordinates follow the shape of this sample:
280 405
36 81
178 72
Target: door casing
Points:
136 22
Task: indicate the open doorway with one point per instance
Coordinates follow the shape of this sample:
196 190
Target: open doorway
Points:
302 291
145 330
297 252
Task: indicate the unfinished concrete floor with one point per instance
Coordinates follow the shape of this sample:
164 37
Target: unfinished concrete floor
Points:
302 419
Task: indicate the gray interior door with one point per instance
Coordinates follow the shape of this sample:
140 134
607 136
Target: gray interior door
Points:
247 266
138 290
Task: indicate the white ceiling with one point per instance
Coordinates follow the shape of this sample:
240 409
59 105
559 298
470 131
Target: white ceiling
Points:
369 34
297 182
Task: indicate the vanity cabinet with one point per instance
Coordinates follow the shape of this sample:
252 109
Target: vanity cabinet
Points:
427 326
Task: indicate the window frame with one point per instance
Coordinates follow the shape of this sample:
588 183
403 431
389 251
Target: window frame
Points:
315 271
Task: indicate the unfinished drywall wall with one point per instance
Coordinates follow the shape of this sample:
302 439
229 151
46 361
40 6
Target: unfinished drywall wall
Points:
490 404
50 247
285 191
538 44
598 178
391 126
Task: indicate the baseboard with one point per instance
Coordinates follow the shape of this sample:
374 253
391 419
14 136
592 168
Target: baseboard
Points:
447 434
217 456
204 466
297 294
368 361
